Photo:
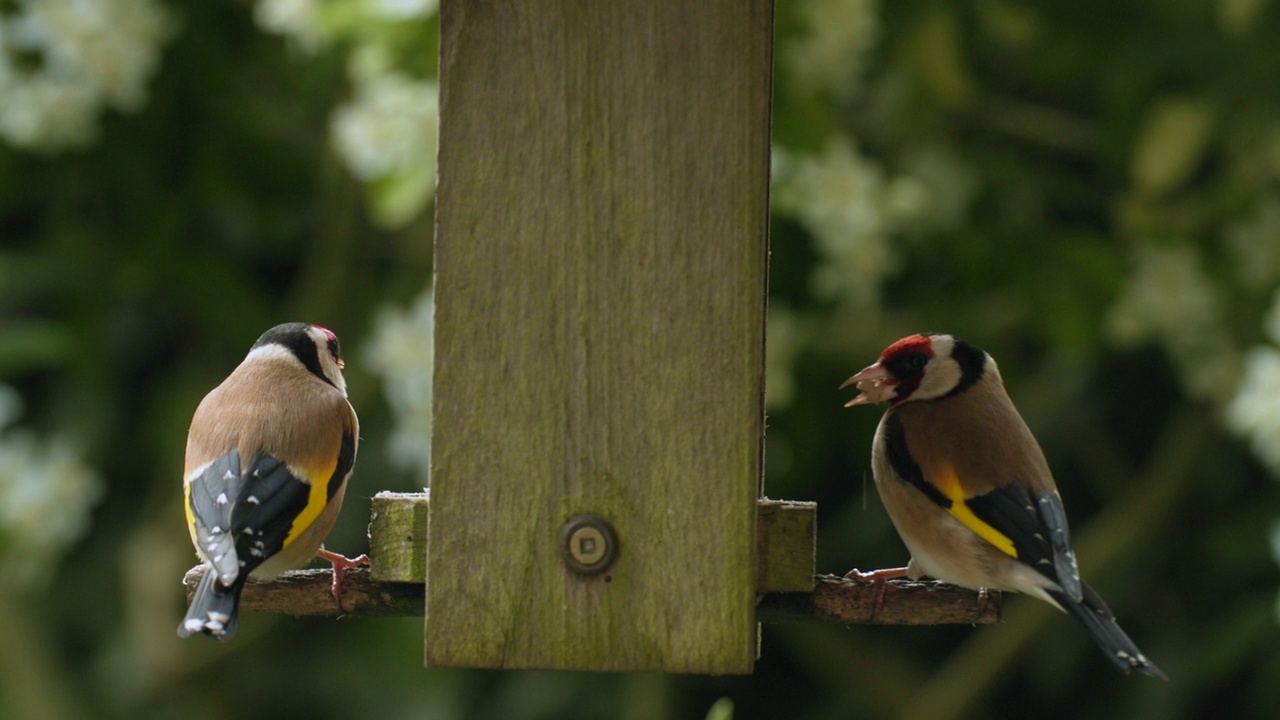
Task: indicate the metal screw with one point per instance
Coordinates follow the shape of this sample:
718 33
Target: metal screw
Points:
588 544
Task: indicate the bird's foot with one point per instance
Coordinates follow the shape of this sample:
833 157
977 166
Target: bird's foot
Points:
875 575
984 599
877 579
341 564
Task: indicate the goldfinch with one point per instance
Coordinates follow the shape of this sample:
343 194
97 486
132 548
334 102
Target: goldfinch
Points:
268 456
968 488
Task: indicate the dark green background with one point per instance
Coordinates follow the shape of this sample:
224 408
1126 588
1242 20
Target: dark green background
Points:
137 272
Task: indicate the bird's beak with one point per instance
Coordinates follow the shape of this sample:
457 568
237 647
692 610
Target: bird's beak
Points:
341 365
876 384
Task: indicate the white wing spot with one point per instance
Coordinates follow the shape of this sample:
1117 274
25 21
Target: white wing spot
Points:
252 500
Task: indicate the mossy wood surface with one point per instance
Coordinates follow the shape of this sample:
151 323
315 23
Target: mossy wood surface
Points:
601 262
398 537
786 545
786 535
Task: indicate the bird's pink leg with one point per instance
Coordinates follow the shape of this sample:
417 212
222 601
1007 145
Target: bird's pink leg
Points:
876 575
877 579
984 599
341 564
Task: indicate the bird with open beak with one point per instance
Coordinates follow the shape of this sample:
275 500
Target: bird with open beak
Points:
968 488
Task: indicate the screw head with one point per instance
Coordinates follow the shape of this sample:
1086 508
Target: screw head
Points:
588 544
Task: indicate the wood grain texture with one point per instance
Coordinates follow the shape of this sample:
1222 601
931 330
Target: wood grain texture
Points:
308 593
398 537
786 534
904 602
786 545
833 600
601 263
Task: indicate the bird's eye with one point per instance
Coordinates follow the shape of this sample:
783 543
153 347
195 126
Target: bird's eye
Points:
333 348
917 361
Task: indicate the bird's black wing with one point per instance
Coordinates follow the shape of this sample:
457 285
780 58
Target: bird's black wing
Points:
244 515
1036 527
1033 530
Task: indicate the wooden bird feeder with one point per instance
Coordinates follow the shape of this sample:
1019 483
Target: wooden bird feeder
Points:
601 259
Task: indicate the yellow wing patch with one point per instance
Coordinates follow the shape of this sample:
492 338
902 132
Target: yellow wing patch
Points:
948 483
317 480
186 510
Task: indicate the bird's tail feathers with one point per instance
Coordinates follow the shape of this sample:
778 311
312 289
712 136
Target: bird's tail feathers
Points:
1097 619
213 608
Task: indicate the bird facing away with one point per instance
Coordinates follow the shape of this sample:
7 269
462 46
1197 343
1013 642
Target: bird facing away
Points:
968 488
268 456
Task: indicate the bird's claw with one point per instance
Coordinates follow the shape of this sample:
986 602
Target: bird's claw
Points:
984 599
341 564
877 579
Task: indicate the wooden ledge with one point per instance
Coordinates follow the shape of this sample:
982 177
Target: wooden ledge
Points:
833 600
786 586
905 602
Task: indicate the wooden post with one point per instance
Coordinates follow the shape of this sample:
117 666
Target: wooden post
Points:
601 263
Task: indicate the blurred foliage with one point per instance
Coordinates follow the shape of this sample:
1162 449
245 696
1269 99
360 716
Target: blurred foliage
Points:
1090 191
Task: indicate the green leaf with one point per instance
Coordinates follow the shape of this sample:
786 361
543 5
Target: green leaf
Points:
721 710
1171 144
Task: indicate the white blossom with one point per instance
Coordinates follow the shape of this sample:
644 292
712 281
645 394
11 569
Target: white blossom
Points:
1167 295
296 19
832 51
386 135
63 61
46 493
846 204
388 126
395 10
1254 412
1170 300
315 24
402 351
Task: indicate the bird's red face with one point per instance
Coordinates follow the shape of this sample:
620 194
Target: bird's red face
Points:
896 375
